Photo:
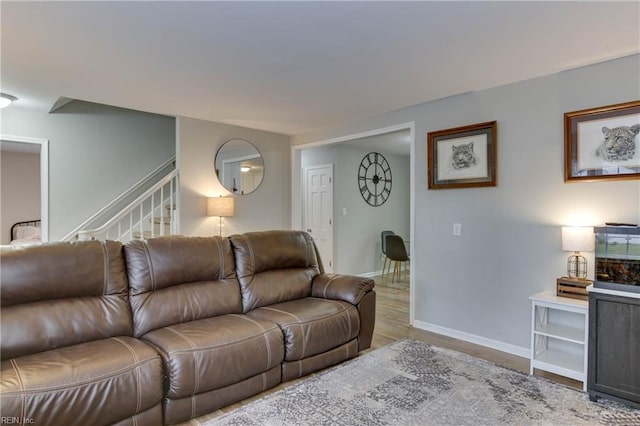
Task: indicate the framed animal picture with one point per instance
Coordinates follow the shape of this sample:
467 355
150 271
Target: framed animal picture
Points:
463 157
602 143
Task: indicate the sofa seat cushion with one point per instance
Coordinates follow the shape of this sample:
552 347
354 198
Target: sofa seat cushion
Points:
100 382
311 325
211 353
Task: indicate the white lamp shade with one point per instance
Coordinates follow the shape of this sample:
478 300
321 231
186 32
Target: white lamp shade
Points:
220 206
578 238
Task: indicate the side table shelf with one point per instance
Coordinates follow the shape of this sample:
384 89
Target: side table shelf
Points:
559 335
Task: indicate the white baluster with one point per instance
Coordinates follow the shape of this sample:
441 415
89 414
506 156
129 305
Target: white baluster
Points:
140 220
171 204
161 212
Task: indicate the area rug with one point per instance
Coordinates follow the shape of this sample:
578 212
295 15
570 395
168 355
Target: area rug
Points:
413 383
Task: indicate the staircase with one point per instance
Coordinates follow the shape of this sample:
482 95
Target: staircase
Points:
155 212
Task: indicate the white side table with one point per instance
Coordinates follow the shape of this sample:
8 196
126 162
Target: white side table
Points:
559 335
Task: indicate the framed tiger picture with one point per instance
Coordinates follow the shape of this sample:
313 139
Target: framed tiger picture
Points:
462 157
602 143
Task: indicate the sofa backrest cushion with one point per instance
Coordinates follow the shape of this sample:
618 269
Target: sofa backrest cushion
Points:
60 294
274 266
177 279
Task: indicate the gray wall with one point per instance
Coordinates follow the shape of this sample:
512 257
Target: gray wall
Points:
357 235
96 152
19 190
477 285
268 207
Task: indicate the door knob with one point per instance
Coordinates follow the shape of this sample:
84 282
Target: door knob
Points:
308 229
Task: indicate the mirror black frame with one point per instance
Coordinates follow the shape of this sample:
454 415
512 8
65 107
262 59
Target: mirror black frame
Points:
252 157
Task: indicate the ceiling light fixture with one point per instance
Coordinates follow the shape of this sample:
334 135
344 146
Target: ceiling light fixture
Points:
245 169
5 100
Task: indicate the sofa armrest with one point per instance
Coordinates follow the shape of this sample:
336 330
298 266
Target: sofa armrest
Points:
348 288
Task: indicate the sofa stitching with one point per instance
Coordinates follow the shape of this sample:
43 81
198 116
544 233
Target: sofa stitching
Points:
327 285
14 364
221 258
348 316
221 345
235 342
105 259
266 338
136 372
309 321
300 323
193 406
306 240
252 256
196 385
91 380
152 274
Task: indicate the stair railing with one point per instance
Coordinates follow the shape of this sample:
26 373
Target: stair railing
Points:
157 206
116 205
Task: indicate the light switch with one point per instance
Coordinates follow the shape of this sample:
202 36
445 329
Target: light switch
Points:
344 211
457 229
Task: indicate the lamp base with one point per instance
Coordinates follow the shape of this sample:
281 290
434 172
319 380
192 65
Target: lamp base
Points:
577 266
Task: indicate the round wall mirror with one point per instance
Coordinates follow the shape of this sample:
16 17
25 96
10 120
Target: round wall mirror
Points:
239 166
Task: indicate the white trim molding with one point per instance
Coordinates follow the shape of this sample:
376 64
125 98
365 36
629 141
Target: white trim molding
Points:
297 186
44 179
474 338
370 274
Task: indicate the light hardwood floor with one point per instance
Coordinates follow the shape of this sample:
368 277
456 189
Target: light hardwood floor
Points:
392 324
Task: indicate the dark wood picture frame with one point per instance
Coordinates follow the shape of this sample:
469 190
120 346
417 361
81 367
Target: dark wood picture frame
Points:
463 157
588 156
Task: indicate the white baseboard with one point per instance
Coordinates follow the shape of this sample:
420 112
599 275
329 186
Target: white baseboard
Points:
473 338
370 274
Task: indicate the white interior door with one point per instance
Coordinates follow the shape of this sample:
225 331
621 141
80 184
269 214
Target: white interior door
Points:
318 210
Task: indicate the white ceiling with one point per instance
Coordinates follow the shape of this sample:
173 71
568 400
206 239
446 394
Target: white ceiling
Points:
291 67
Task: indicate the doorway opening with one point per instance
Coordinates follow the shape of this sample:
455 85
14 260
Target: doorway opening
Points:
24 183
355 231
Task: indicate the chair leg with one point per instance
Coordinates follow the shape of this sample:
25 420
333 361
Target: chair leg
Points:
384 265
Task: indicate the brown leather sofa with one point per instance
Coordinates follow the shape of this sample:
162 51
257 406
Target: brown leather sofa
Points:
166 329
67 346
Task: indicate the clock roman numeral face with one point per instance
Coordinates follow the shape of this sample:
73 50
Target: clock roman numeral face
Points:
374 179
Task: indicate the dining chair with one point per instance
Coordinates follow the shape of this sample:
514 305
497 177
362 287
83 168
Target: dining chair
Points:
397 252
383 247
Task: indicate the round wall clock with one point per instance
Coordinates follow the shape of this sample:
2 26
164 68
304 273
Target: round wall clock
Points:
374 179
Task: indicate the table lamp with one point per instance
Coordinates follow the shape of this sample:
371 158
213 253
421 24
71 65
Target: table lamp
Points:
221 207
577 239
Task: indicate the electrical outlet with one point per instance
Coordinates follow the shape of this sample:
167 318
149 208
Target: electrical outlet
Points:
457 229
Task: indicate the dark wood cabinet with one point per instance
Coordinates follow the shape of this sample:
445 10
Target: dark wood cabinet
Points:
614 348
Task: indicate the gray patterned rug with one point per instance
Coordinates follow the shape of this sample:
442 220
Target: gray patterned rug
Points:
413 383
